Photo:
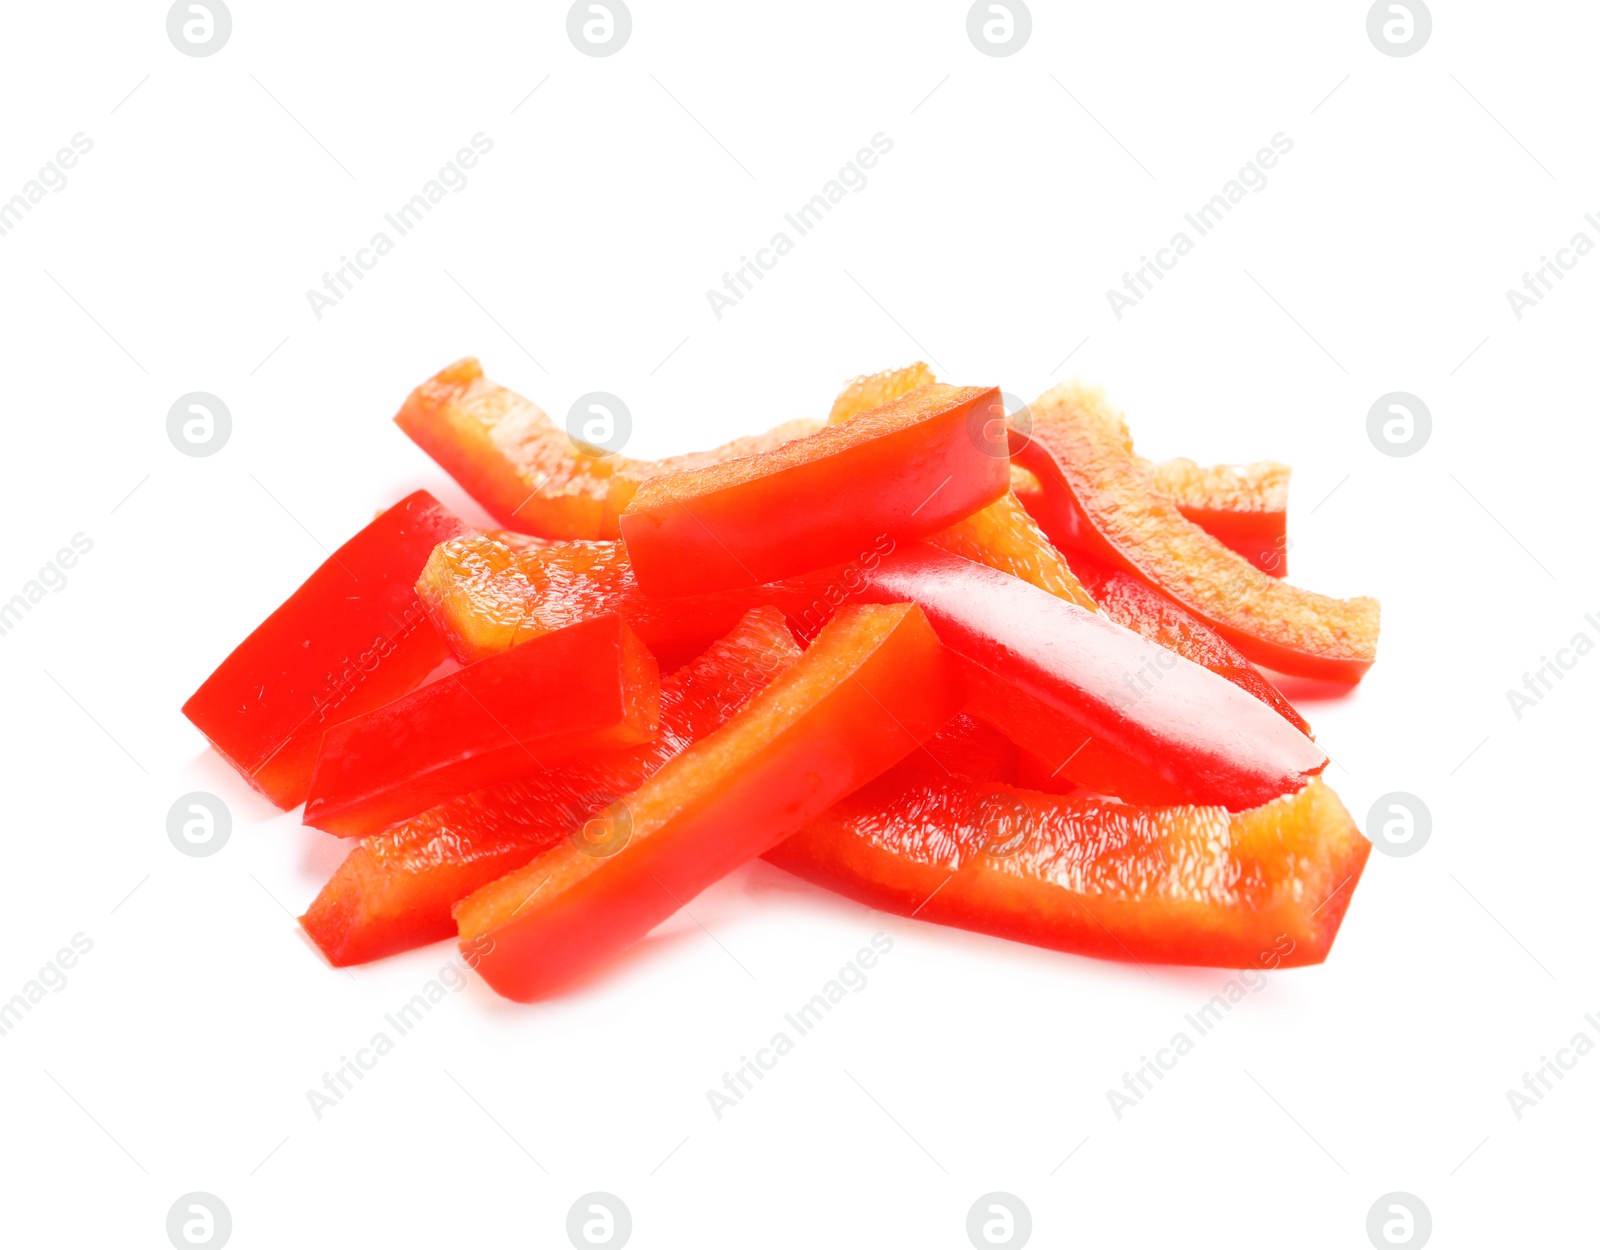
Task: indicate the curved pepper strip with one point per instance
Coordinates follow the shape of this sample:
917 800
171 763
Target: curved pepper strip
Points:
395 889
1263 888
1116 713
507 454
906 469
1150 614
1245 506
873 686
1003 536
525 470
589 687
351 638
1100 499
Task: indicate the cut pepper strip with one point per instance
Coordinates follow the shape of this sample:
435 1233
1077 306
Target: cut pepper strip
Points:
1120 714
1264 888
589 687
873 686
872 390
622 485
395 889
352 637
1101 499
507 454
1150 614
525 470
1243 505
906 469
483 598
1003 536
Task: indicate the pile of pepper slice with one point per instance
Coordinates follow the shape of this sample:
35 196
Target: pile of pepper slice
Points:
997 673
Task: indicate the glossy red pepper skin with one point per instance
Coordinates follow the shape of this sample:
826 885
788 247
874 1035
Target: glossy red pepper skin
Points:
1097 497
589 687
872 687
1114 711
395 889
352 637
1266 888
905 470
1149 613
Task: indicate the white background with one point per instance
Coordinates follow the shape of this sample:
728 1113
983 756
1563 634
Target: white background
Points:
178 257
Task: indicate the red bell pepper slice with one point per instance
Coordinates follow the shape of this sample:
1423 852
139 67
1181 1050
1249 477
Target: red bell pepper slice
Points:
1005 537
395 889
1101 499
1150 614
1263 888
872 687
1119 714
507 454
352 637
589 687
905 470
1243 506
872 390
524 468
626 479
483 597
